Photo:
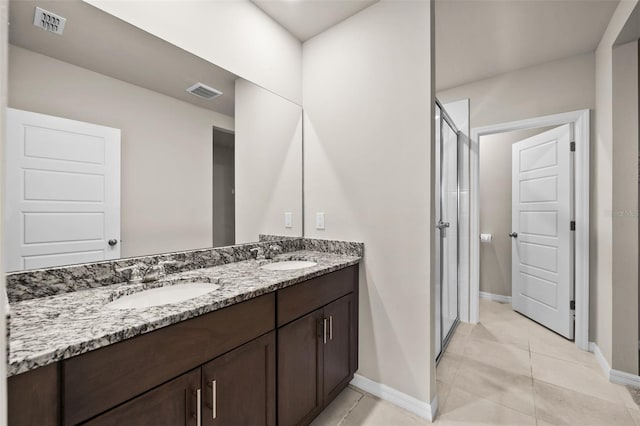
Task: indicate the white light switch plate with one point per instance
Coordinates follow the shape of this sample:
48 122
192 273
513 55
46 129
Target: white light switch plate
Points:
288 220
320 220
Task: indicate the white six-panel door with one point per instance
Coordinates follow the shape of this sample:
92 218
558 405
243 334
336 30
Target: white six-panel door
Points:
62 195
542 251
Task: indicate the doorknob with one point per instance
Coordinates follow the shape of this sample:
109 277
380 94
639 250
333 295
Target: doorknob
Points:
113 242
513 234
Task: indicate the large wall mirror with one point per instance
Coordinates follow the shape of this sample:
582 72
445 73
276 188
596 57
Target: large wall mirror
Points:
109 155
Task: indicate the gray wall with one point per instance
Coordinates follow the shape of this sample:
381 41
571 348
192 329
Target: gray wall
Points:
268 153
495 209
167 150
603 187
224 228
626 137
368 96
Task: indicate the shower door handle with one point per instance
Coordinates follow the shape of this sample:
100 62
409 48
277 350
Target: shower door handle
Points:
442 226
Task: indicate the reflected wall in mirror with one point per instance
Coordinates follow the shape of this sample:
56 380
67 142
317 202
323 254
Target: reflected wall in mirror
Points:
269 148
109 156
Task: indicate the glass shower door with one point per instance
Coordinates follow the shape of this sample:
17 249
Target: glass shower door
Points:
447 210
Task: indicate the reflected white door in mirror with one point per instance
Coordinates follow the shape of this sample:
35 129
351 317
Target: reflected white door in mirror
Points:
62 198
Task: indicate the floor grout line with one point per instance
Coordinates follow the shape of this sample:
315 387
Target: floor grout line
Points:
492 401
351 409
533 383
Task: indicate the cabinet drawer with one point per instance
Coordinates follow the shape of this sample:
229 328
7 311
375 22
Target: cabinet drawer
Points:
174 403
300 299
99 380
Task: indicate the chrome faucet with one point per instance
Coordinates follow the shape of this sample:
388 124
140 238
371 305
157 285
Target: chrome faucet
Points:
136 275
273 250
157 272
140 273
258 253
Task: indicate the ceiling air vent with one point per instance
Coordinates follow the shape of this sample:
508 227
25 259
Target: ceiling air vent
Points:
49 21
203 91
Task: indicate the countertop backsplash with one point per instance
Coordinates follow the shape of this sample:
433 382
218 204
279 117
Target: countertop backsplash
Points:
347 248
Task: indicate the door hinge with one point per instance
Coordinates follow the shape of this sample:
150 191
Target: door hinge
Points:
573 146
573 225
572 305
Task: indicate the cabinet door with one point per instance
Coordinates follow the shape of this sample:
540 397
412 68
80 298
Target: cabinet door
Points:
338 346
300 370
172 404
33 397
239 388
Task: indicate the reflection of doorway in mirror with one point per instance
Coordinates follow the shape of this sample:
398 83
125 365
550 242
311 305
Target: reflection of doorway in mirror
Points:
62 200
224 228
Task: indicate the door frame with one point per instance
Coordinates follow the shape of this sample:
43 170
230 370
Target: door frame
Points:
581 121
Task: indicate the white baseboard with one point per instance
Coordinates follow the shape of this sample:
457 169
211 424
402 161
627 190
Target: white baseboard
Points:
602 361
614 376
495 297
409 403
622 378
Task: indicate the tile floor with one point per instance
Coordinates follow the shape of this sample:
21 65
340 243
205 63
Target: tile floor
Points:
506 370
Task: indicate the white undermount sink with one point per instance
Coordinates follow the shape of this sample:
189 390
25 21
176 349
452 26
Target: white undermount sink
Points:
288 265
162 295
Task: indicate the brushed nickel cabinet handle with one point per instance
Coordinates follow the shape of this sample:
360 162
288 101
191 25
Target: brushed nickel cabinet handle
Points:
199 407
330 327
214 398
324 330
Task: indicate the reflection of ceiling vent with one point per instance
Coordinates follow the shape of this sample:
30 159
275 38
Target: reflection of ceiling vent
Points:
49 21
203 91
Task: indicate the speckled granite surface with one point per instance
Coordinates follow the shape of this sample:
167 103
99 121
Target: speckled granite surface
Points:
52 328
349 248
48 282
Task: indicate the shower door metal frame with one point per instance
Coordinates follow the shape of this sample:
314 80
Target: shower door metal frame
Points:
444 117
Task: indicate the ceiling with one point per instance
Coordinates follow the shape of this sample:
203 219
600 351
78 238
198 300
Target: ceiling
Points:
307 18
97 41
477 39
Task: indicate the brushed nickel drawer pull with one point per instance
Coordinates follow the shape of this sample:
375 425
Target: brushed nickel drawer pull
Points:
199 407
324 330
214 398
330 327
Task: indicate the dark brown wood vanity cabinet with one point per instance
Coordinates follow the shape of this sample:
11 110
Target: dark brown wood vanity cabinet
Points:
33 398
247 364
317 353
130 378
237 388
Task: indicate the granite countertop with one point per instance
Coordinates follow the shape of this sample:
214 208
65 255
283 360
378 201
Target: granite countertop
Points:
49 329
